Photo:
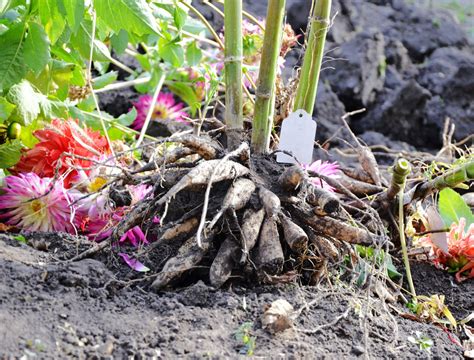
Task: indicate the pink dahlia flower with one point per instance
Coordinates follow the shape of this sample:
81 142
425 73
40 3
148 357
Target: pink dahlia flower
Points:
460 256
324 168
102 219
36 204
166 108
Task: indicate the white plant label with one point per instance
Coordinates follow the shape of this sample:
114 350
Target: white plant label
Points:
297 136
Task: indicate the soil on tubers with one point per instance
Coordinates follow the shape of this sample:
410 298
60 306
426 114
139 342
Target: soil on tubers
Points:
241 216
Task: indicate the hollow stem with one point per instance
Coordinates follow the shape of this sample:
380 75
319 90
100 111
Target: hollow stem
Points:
309 76
263 115
233 52
401 170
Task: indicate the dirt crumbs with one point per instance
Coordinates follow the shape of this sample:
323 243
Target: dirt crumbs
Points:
52 309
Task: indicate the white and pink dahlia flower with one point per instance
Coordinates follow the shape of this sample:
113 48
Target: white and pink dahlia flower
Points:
36 204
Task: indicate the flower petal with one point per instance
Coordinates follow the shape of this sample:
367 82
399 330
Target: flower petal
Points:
134 263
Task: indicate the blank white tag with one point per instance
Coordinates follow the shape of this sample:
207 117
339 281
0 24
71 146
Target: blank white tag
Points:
297 136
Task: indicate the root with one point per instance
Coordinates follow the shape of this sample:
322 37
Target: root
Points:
324 200
224 262
251 224
291 178
206 147
206 172
328 226
189 255
269 253
242 149
294 235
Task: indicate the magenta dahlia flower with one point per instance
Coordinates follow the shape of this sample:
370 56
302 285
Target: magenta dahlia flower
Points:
102 218
166 108
36 204
324 168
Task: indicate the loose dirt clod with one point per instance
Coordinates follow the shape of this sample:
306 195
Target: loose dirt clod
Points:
278 316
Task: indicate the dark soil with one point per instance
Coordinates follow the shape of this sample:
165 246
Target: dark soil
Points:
53 309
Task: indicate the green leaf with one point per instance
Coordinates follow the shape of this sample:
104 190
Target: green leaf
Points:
119 41
179 16
27 102
128 118
36 49
74 13
10 153
104 80
172 53
452 207
82 42
52 108
185 92
193 54
52 15
134 16
6 109
12 67
20 238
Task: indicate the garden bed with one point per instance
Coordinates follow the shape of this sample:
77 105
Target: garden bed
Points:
93 308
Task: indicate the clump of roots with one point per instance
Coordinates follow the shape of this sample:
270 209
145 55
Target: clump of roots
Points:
244 215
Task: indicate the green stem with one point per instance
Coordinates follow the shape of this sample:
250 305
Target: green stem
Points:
233 52
309 76
450 179
401 170
263 122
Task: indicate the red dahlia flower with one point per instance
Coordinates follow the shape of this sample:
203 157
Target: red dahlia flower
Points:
59 138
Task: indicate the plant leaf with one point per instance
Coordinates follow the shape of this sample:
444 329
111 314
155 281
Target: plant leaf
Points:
27 101
74 13
119 41
36 49
104 80
52 18
193 54
172 53
452 207
10 153
6 109
12 67
134 16
82 42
